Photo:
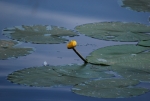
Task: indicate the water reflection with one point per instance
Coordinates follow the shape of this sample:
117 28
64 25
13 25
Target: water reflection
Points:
65 14
20 11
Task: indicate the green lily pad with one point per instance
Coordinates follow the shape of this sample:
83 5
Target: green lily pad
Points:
7 50
115 31
137 5
109 88
137 67
39 34
7 43
84 71
117 54
129 61
145 43
141 73
42 77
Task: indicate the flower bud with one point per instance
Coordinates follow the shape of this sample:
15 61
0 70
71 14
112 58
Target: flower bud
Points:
71 44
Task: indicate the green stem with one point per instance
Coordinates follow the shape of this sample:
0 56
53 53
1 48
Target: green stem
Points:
79 55
85 61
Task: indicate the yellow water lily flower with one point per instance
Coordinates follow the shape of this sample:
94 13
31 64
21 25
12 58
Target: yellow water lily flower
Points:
71 44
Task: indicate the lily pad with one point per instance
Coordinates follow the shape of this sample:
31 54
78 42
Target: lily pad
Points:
115 31
42 77
109 88
129 61
84 71
7 49
141 73
118 54
137 5
42 34
145 43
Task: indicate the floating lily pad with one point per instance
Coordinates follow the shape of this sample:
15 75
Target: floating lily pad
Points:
115 31
141 73
39 34
137 67
109 88
84 71
145 43
7 50
137 5
42 77
129 61
117 54
7 43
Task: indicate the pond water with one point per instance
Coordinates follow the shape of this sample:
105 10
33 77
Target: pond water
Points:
66 13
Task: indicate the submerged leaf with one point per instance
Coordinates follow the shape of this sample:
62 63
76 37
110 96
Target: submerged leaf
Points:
84 71
109 88
42 77
7 49
38 34
115 31
137 5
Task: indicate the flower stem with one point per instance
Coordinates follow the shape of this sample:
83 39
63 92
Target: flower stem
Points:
85 61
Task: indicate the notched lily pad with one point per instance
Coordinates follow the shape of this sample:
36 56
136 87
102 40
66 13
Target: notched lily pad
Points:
115 31
84 71
42 77
118 54
109 88
137 5
39 34
7 49
141 73
129 61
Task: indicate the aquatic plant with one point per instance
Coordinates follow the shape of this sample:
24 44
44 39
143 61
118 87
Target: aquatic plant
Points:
118 54
145 43
84 71
8 49
43 76
130 61
108 72
115 31
109 88
71 45
41 34
137 5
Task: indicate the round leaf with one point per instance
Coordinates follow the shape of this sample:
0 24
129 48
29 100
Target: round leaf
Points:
137 5
138 72
117 54
84 71
38 34
145 43
109 88
115 31
7 50
129 61
42 77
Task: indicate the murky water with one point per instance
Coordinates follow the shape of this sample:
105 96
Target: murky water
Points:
67 14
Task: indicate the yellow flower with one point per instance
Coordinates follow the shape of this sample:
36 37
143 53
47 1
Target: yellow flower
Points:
71 44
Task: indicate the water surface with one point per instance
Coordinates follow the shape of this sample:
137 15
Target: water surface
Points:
66 13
